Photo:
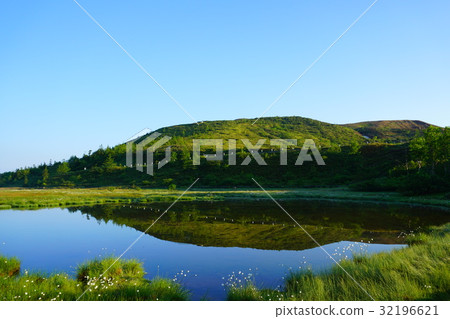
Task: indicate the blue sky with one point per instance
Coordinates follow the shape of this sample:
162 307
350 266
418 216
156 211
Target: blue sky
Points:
66 88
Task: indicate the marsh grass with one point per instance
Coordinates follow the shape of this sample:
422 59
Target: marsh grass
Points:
29 198
111 270
9 267
124 281
21 198
247 292
418 272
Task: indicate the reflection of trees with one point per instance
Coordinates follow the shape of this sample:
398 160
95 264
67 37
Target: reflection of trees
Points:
259 225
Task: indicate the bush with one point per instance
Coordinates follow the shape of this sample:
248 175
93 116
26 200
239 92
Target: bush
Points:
420 184
377 185
415 184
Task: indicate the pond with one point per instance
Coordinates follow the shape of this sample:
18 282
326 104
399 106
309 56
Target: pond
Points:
208 245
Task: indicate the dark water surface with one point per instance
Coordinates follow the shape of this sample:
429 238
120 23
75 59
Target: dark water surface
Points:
202 244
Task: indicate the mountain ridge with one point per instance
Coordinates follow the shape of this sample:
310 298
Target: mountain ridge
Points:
350 157
297 127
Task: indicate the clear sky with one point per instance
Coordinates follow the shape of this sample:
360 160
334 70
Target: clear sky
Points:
66 88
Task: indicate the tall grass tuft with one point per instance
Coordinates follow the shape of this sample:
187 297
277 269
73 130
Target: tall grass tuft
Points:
9 267
110 269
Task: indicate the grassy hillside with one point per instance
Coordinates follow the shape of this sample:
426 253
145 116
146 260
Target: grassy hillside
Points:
389 131
294 127
350 159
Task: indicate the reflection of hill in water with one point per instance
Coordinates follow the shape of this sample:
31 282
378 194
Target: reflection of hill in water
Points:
258 224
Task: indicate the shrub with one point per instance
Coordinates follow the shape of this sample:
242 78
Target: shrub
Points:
418 184
377 185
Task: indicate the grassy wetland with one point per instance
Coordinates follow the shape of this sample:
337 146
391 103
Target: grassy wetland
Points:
351 206
419 272
373 191
100 279
26 198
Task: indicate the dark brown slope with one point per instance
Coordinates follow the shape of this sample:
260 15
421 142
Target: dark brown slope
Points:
389 131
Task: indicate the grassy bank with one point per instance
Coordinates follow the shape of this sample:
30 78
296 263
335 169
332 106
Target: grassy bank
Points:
419 272
29 198
38 198
123 281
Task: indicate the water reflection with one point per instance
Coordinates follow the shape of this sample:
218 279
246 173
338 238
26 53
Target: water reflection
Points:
203 245
262 225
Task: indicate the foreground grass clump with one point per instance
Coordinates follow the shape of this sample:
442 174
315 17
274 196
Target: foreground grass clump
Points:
111 270
418 272
9 266
124 280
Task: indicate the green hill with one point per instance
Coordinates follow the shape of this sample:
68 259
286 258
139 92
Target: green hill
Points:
350 158
294 127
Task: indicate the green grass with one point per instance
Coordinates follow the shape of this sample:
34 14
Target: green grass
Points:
111 270
122 281
9 266
418 272
61 197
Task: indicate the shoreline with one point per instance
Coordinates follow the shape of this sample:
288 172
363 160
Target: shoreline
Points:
405 277
24 198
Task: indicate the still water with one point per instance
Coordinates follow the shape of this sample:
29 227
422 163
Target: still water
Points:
204 244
